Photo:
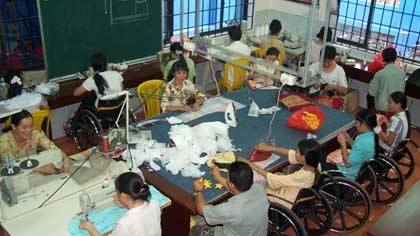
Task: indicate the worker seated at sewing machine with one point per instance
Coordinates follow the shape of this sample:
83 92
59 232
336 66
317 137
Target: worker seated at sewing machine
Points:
22 141
143 215
179 91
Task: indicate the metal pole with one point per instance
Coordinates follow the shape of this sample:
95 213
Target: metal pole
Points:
181 22
309 36
197 19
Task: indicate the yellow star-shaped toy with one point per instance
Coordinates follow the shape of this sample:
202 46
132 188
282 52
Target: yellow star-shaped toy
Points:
218 186
207 184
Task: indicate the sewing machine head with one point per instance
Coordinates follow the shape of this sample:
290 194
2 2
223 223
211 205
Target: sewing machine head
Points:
97 198
15 179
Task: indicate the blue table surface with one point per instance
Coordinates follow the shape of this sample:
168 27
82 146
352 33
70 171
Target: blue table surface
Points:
250 131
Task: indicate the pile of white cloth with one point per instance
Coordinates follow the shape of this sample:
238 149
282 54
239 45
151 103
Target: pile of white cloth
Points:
192 147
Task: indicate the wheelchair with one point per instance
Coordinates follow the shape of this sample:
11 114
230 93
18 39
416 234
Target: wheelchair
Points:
89 122
312 209
282 221
389 179
347 198
404 157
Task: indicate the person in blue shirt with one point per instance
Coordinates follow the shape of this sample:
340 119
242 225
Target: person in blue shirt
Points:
363 147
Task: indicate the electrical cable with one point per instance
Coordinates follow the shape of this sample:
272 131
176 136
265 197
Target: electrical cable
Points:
71 175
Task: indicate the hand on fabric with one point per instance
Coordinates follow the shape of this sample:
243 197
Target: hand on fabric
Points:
47 169
377 130
196 107
263 147
330 87
215 172
316 85
198 185
84 224
65 167
185 108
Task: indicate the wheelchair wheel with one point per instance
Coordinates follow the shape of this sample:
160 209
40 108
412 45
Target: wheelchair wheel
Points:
86 129
390 180
350 202
316 215
367 178
282 221
405 161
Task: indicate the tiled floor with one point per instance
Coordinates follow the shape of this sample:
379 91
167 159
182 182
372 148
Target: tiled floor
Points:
68 146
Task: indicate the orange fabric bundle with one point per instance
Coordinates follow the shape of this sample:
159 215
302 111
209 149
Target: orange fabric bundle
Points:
309 118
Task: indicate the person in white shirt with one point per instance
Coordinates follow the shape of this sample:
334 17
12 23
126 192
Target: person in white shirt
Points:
261 80
103 82
142 217
399 123
333 77
237 47
316 45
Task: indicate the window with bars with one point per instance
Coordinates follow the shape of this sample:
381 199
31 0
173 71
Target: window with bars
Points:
374 24
215 16
20 37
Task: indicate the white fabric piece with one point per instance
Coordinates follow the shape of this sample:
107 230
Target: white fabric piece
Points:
269 111
254 109
377 130
29 101
193 146
173 120
311 136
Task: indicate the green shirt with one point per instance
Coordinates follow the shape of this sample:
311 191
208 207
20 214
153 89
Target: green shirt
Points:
386 81
190 64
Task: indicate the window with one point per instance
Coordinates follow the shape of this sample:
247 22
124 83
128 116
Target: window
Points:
374 24
20 38
215 16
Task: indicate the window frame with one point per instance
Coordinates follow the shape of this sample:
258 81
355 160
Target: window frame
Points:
364 46
169 15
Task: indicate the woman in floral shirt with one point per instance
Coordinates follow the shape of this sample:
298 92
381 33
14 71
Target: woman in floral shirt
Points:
179 91
23 140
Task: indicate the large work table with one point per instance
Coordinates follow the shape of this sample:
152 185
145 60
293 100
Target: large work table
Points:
250 131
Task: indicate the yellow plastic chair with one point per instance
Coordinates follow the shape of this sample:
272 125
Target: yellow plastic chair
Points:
41 120
238 75
149 94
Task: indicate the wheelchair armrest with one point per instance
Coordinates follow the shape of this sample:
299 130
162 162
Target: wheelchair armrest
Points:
328 172
278 197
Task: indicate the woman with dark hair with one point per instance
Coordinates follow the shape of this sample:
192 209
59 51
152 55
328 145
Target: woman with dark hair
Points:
316 45
333 77
103 82
179 91
363 148
398 128
23 140
308 153
273 39
143 215
177 52
261 80
18 98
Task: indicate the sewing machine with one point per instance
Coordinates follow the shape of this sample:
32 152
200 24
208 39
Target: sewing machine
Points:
99 197
17 181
